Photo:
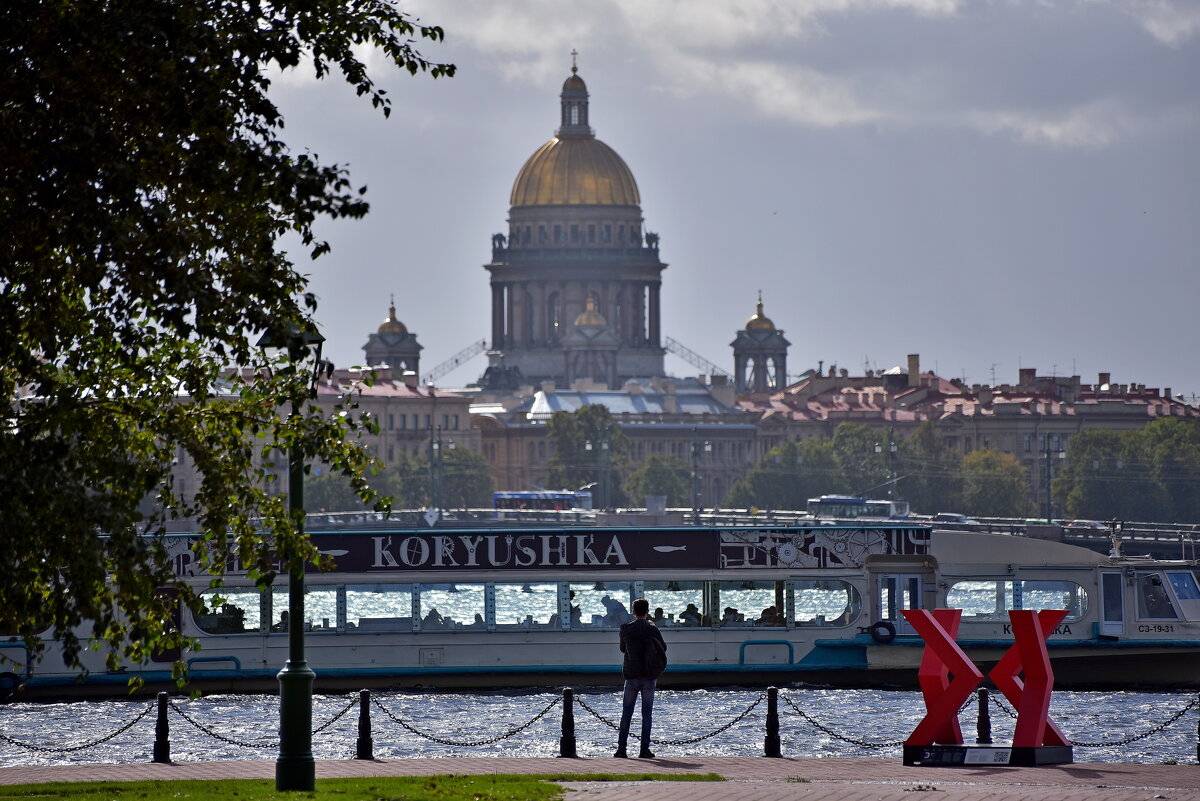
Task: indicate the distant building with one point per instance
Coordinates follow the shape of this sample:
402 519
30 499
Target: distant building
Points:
575 283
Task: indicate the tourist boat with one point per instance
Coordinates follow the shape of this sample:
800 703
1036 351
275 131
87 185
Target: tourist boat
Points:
817 603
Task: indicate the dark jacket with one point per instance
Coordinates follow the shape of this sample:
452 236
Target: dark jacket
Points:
634 637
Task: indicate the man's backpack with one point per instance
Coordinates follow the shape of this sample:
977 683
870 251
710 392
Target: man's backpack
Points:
656 658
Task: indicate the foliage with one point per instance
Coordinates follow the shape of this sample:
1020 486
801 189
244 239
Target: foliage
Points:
930 473
143 193
465 480
405 482
864 471
589 449
1152 474
660 475
787 476
995 484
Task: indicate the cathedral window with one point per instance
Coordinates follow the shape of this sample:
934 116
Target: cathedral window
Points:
559 237
591 234
606 233
574 234
574 115
541 234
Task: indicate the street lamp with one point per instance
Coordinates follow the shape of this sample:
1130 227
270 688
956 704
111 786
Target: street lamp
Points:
295 768
697 448
1049 468
603 469
436 467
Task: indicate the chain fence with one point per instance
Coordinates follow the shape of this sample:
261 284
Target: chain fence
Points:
47 749
1133 738
593 704
688 741
465 743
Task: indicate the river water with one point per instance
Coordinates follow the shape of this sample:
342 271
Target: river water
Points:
867 716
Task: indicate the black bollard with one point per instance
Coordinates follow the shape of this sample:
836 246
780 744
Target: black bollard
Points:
364 749
771 742
162 733
566 745
983 730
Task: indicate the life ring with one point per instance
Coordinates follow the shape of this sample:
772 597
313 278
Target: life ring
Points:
882 632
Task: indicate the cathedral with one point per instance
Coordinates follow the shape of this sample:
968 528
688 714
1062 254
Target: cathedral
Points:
576 282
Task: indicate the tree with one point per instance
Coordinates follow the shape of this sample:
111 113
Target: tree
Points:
787 476
1095 482
1173 448
931 480
995 484
660 475
144 192
863 470
466 481
589 449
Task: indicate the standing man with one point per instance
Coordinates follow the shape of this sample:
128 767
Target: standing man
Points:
645 659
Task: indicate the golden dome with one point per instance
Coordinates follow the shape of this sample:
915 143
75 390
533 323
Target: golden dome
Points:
574 83
760 322
391 325
574 171
590 316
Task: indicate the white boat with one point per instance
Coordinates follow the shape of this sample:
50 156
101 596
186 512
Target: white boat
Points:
741 605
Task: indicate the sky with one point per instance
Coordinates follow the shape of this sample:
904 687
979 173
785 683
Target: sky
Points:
991 184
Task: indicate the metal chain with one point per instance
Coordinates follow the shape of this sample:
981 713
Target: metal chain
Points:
689 741
221 737
337 717
1002 706
468 743
1143 735
835 735
69 748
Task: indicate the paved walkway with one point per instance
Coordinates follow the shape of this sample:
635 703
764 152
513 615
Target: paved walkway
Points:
749 778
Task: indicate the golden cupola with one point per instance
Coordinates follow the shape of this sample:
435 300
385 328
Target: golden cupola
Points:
575 168
759 321
390 324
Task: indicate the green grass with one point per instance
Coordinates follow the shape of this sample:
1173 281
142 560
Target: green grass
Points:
489 787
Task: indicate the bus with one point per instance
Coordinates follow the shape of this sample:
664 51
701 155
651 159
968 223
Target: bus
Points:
542 500
850 507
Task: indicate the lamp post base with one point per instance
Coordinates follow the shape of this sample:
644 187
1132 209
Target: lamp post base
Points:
295 769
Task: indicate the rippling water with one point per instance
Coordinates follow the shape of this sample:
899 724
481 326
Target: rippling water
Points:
868 716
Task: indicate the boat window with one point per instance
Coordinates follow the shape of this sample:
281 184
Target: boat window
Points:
379 607
529 606
601 604
1152 599
451 606
992 599
229 611
748 603
320 607
826 602
1185 586
677 603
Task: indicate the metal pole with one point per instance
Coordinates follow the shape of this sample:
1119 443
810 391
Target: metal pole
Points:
566 744
295 769
983 729
771 746
162 732
365 746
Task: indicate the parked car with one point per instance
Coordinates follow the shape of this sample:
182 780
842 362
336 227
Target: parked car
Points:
1096 526
956 520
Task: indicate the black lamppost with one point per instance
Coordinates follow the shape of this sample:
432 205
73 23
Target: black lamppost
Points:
295 768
